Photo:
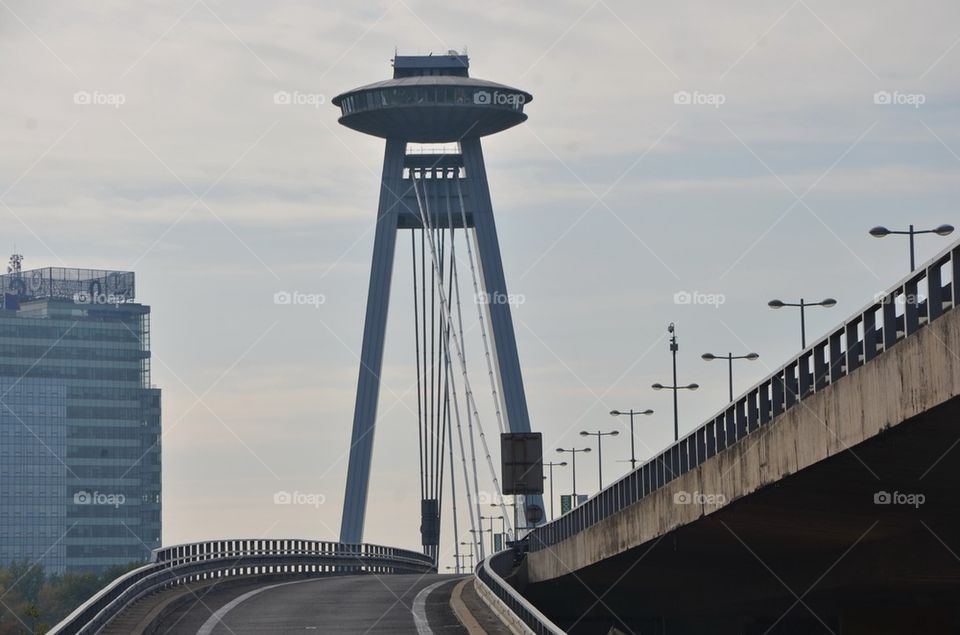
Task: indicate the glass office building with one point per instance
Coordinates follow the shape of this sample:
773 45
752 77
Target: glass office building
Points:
79 421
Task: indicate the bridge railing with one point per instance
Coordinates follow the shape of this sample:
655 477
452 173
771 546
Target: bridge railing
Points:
490 573
223 559
901 311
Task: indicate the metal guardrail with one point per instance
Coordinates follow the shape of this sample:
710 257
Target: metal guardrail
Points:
223 559
490 571
900 312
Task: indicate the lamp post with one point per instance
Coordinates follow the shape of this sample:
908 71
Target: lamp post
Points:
470 554
599 435
573 467
478 537
942 230
550 465
503 522
709 357
674 347
516 528
630 413
491 519
825 303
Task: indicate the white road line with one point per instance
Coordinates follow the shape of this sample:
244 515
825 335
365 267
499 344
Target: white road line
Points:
219 614
419 609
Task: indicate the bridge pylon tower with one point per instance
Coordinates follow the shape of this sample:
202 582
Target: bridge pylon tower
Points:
432 115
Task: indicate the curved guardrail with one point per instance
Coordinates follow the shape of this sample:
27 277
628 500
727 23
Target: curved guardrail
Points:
222 559
491 571
900 312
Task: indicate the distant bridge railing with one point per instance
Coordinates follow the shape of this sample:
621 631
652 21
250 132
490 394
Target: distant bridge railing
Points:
490 573
918 299
225 559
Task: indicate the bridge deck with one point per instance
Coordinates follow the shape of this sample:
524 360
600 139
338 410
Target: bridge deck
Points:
786 520
337 604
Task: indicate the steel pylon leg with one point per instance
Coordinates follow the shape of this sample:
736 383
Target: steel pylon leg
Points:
371 352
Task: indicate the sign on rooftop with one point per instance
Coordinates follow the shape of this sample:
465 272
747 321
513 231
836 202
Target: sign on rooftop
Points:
92 286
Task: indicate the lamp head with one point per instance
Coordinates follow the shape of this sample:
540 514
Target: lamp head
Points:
648 411
775 304
828 302
615 413
692 386
657 386
944 230
708 357
752 357
879 232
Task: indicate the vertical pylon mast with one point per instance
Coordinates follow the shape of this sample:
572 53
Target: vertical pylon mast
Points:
431 100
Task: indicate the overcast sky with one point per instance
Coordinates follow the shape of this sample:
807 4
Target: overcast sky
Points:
145 136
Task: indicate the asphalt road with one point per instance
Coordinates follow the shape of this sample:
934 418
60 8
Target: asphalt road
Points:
343 604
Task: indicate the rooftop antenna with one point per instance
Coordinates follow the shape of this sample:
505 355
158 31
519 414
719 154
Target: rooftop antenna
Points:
16 263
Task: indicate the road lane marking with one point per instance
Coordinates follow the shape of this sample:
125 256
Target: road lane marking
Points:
219 614
419 609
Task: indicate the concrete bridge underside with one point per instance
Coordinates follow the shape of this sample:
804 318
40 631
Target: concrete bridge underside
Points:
797 544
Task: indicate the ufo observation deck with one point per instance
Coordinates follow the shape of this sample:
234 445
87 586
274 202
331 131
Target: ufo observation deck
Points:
431 99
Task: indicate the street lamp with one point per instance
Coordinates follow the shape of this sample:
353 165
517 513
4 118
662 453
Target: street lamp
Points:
942 230
599 435
709 357
479 539
825 303
633 452
503 522
469 555
491 519
573 467
516 521
674 347
550 465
